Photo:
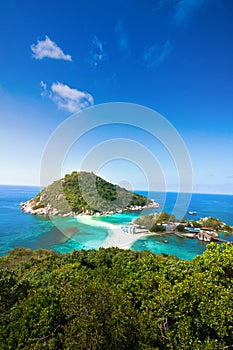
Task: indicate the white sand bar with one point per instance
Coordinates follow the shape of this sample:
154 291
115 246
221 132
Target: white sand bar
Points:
90 220
117 236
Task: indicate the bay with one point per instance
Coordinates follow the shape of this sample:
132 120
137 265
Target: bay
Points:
18 229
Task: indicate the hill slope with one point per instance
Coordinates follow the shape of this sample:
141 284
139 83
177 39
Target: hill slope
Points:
114 299
83 192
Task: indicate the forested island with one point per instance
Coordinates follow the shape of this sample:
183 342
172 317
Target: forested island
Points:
116 299
85 193
205 229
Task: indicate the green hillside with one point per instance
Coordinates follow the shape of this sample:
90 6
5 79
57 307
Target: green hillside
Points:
82 191
112 299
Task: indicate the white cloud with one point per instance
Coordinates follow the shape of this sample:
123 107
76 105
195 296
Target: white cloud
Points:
155 54
70 99
97 52
48 48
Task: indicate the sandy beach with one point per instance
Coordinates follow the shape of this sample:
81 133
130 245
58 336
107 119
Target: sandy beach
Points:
116 236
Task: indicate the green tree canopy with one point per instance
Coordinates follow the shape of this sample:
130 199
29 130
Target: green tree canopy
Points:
116 299
82 191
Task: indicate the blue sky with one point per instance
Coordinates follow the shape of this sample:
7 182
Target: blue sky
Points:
174 56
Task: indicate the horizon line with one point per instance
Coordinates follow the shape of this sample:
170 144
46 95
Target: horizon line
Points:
141 190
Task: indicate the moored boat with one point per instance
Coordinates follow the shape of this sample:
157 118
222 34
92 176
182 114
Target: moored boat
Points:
192 212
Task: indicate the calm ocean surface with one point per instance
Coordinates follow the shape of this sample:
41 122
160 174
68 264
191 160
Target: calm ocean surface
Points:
65 234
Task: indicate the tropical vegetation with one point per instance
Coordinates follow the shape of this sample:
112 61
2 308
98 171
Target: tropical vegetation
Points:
154 222
83 191
115 299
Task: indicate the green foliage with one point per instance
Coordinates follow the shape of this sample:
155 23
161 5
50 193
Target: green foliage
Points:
213 223
38 206
193 223
158 228
180 228
82 191
115 299
227 229
184 220
153 222
165 218
148 220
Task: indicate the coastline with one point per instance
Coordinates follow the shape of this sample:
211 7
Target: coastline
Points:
35 231
119 239
38 208
116 236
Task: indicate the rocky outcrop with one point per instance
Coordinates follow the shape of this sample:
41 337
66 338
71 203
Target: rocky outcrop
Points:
31 207
37 208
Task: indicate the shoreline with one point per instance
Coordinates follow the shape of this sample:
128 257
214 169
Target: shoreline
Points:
123 240
116 238
34 208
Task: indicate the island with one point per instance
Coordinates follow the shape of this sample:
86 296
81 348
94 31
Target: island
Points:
84 193
204 229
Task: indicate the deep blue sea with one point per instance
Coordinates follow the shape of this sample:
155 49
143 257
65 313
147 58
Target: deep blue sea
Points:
18 229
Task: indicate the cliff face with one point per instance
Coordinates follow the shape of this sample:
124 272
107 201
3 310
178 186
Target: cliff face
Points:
83 193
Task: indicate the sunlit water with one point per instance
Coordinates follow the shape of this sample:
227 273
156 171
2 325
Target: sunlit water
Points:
18 229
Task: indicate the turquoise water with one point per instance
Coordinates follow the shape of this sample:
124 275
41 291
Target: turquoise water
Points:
18 229
65 234
172 245
86 237
118 219
219 206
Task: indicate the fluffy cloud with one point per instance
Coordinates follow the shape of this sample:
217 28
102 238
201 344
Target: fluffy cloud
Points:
154 55
48 48
70 99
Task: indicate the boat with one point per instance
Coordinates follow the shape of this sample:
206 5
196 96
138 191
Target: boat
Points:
192 212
